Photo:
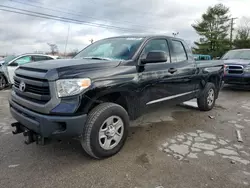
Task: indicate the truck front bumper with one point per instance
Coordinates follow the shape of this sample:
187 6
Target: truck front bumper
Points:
237 79
48 126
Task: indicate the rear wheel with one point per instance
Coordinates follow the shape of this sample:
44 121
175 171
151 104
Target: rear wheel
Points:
105 131
206 101
3 82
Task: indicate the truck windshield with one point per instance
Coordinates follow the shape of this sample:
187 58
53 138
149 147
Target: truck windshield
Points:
122 48
237 54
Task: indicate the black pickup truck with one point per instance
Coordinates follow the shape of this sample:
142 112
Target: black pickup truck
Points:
94 95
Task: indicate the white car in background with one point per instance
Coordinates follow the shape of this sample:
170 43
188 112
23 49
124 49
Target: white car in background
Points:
9 64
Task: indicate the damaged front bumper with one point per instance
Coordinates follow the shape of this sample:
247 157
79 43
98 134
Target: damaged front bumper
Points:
35 125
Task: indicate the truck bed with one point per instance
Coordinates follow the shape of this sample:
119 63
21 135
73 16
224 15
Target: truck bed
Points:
209 63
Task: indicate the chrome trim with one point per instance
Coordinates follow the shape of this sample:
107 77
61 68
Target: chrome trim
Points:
171 97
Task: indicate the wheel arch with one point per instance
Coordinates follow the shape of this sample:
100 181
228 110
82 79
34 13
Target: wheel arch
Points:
216 80
123 98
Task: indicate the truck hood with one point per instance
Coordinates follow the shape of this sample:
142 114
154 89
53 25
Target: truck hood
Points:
68 64
237 61
66 68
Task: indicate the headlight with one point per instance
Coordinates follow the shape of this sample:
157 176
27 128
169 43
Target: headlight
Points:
247 69
70 87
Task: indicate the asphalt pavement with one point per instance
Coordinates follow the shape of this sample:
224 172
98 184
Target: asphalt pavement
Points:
168 147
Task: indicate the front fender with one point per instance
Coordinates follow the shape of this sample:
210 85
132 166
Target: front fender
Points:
126 87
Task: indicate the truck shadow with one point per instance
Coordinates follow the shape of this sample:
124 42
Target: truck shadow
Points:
158 123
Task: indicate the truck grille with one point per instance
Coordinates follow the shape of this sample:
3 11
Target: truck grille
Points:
34 89
234 69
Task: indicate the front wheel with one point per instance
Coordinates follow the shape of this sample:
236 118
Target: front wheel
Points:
206 100
105 131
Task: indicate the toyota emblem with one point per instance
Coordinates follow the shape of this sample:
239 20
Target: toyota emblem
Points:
22 86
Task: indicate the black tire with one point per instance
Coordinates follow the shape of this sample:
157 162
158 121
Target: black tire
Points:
202 101
96 118
3 82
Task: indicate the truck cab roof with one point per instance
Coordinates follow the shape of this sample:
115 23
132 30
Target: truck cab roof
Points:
146 36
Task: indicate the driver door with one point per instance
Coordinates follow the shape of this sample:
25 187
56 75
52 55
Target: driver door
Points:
15 64
154 77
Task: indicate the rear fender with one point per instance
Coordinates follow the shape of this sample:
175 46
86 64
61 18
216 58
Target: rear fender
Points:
214 75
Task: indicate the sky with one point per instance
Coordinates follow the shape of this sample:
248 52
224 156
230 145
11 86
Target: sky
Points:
100 19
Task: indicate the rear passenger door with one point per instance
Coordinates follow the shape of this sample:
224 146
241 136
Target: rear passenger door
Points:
185 70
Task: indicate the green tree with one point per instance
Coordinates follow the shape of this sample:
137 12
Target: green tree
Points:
213 30
242 39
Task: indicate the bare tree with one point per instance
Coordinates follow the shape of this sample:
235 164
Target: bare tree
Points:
53 48
242 39
91 41
243 32
73 53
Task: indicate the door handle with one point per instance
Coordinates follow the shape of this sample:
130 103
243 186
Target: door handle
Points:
172 70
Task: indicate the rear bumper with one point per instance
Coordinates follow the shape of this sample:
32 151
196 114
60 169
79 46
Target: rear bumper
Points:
47 125
239 79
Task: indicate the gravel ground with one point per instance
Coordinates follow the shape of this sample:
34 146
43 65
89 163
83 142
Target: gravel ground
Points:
170 147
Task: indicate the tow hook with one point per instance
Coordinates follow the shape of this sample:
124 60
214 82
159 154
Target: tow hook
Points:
18 128
41 140
30 137
33 137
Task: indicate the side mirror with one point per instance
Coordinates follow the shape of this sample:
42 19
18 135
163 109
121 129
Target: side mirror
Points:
155 57
13 64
